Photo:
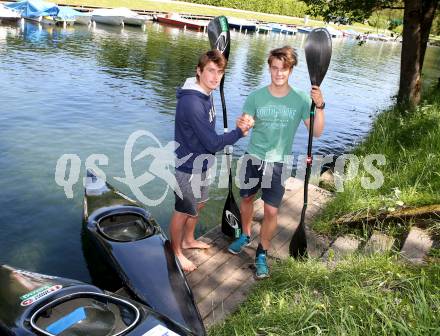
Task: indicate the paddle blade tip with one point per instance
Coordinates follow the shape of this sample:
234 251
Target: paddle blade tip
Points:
298 244
219 35
318 50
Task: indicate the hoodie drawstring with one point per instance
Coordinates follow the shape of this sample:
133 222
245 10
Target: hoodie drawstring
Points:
263 166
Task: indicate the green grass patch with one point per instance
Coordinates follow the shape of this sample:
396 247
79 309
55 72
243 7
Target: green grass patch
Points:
359 296
183 8
410 143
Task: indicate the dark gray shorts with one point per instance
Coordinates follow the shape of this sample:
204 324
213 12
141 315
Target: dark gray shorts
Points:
193 192
256 174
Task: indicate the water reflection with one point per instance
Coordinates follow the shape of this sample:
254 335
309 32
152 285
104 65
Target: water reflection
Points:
163 58
255 61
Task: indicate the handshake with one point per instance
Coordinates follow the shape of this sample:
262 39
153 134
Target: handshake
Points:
245 123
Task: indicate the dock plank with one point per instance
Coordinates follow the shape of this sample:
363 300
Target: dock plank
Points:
223 280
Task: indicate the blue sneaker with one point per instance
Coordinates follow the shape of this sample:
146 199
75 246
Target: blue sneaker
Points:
238 244
262 270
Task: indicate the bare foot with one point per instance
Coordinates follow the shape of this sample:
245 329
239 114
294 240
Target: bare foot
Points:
195 244
186 264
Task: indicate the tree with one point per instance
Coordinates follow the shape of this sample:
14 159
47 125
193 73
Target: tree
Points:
418 16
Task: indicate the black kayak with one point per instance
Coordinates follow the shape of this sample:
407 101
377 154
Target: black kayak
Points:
138 252
38 304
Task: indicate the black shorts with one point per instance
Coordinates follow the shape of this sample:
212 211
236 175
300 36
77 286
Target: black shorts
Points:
256 174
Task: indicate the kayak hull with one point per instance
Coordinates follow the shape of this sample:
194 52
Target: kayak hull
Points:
137 251
33 303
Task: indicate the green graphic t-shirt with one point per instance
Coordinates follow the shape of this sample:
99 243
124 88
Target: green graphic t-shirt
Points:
276 122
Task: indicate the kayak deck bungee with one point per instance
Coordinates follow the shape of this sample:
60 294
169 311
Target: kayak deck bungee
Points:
38 304
138 252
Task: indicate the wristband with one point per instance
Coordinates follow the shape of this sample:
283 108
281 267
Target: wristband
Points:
321 107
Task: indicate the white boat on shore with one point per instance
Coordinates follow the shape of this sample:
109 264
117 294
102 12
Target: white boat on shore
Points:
83 19
120 16
7 14
108 16
132 18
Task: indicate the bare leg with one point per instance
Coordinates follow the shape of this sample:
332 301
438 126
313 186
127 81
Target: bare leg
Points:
188 240
269 225
177 224
247 210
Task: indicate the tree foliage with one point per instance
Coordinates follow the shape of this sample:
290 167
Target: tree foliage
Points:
355 10
436 25
418 17
282 7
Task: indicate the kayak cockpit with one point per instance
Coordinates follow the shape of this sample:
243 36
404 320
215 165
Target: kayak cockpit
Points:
85 314
125 227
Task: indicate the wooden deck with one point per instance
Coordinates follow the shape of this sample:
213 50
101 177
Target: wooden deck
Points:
222 280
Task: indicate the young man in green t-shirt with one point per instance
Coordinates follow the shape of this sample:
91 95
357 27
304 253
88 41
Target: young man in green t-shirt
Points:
276 111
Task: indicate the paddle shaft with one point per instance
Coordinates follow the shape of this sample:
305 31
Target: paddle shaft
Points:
222 96
228 149
309 162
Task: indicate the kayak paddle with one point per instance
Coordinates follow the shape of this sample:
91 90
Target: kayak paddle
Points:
318 50
220 39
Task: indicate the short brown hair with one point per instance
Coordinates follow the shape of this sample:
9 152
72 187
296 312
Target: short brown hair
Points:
286 54
214 56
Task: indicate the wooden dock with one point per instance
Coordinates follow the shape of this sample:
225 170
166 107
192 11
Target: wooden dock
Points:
222 280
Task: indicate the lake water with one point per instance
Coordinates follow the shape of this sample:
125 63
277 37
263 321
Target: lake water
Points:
84 91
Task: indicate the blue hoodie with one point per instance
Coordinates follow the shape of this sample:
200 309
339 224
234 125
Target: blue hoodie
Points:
195 127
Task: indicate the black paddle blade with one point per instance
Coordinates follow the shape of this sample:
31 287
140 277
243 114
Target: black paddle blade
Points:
231 218
318 49
298 243
219 36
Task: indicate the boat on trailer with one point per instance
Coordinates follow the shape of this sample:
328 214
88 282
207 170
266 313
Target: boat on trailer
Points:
38 304
176 20
138 253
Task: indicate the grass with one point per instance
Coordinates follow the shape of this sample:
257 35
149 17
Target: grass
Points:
410 143
180 7
360 296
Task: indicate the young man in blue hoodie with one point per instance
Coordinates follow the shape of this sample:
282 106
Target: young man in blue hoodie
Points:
198 142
